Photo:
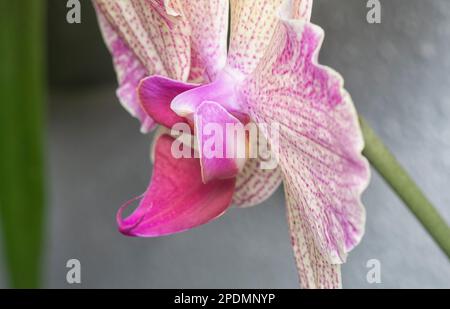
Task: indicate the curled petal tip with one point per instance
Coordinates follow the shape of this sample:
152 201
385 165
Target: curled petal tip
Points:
125 227
176 199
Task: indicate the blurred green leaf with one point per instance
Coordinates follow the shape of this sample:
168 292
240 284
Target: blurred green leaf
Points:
22 97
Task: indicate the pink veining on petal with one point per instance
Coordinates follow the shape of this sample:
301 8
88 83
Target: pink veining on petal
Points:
253 23
167 13
254 185
320 149
208 20
176 199
302 9
162 48
156 94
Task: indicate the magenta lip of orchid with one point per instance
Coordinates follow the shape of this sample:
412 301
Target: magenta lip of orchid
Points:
175 72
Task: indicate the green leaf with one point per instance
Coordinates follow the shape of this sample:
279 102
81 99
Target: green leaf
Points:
22 97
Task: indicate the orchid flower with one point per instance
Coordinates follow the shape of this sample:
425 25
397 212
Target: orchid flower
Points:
174 68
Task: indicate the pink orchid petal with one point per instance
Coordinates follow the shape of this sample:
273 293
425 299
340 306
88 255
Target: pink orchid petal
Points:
253 23
254 185
176 199
156 93
129 72
320 149
215 145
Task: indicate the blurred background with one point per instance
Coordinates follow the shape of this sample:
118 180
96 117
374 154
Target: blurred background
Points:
398 75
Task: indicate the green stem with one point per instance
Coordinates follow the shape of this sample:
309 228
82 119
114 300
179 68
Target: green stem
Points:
22 97
402 184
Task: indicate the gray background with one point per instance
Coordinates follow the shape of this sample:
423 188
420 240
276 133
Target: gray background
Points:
398 75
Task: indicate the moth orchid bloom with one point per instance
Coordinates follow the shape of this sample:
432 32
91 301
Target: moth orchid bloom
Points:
173 67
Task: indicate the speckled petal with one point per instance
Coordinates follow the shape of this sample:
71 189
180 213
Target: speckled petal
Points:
176 199
209 24
301 9
254 185
314 269
319 150
159 40
252 26
253 23
129 72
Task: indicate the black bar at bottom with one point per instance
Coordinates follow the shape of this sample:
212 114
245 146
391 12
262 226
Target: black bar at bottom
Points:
219 298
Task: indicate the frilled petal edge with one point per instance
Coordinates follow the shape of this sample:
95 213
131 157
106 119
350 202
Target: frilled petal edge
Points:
320 149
